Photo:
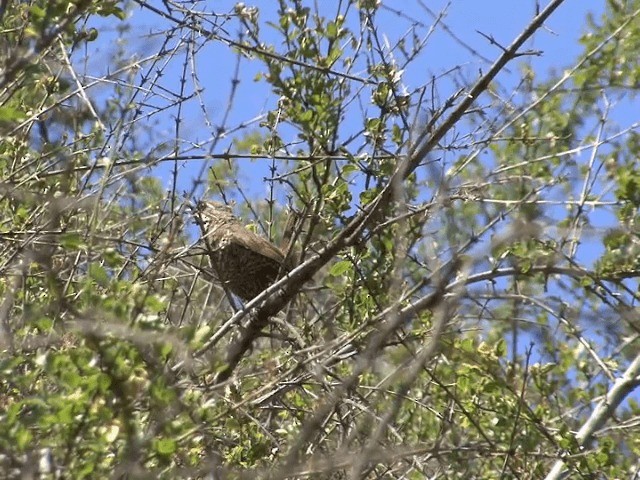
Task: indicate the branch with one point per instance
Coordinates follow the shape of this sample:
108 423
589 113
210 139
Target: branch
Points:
424 145
622 387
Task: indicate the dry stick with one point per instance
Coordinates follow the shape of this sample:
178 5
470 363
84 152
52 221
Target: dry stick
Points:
393 319
603 412
509 53
12 288
368 453
197 27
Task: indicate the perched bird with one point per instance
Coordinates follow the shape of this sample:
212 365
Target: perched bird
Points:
245 263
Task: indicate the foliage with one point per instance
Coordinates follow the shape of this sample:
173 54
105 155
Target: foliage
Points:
466 298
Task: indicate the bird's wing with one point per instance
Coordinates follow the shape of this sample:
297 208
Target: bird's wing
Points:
256 243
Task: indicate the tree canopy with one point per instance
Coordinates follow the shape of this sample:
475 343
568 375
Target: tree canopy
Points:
463 294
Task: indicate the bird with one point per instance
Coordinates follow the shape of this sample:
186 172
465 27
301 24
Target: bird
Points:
245 263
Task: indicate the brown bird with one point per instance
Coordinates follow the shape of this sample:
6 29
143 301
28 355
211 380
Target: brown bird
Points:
245 263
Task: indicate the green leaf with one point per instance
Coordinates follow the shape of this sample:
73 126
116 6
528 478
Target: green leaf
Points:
340 268
10 114
332 31
71 241
165 446
98 274
37 13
